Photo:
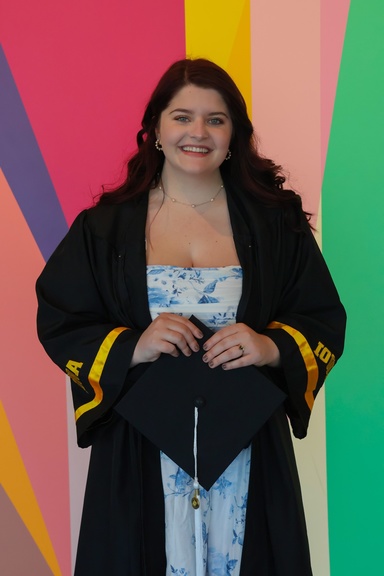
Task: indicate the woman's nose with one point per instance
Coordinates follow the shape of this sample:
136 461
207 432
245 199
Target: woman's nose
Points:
198 128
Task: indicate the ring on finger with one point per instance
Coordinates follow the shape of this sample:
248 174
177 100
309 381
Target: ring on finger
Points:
241 348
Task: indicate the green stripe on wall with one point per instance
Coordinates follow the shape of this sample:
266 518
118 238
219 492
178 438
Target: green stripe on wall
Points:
353 244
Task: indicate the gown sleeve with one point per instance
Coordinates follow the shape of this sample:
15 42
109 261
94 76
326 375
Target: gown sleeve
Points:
77 329
309 325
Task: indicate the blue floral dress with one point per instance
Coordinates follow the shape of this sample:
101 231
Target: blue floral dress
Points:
212 295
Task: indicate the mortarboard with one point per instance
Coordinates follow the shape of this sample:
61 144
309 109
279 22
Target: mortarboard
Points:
232 407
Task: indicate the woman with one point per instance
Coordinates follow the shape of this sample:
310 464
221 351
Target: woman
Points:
203 226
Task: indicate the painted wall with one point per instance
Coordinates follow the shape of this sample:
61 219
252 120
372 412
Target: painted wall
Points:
353 232
74 78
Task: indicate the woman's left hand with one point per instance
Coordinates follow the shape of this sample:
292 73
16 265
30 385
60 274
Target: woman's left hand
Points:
237 346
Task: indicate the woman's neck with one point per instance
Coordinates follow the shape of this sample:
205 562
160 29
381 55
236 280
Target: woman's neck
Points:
191 188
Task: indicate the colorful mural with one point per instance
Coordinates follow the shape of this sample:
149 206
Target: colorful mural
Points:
74 79
353 233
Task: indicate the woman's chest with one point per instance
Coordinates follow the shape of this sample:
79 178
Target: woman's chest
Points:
187 237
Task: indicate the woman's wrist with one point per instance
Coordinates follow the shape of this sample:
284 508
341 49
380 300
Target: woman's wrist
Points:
273 354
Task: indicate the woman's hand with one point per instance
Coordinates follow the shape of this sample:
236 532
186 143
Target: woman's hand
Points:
167 334
238 345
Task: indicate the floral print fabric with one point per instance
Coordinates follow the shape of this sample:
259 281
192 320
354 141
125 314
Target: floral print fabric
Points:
212 295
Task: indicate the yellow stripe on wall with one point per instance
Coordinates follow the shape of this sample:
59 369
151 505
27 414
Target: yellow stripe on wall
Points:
220 31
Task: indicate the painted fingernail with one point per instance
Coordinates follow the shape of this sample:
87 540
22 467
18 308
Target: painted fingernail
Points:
210 364
224 366
195 348
205 358
205 346
200 335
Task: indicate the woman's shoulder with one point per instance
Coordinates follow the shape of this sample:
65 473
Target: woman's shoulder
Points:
287 213
109 219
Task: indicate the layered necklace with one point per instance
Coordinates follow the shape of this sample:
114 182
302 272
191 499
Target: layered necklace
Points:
161 187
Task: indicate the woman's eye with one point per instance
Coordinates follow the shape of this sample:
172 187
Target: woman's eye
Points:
215 121
182 118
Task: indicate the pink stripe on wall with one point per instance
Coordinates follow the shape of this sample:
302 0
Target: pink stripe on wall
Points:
286 89
286 113
32 389
334 16
84 71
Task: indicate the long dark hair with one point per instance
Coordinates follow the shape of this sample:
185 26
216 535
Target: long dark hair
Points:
250 171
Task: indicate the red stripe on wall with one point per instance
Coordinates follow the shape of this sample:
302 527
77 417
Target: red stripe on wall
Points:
84 71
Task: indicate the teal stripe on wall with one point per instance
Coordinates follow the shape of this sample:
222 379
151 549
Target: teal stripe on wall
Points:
353 244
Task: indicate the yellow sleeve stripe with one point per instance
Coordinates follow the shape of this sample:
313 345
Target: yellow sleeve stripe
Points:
308 357
96 371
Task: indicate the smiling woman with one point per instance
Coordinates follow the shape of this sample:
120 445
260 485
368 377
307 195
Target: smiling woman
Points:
195 132
203 257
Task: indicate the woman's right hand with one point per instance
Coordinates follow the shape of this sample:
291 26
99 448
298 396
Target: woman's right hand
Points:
167 334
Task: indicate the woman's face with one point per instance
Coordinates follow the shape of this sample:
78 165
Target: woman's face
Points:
195 131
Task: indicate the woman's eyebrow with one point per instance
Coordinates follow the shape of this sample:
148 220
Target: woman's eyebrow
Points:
186 111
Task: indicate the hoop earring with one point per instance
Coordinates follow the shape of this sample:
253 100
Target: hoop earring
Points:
158 145
229 154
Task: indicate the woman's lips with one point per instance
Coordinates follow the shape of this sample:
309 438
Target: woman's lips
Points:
195 149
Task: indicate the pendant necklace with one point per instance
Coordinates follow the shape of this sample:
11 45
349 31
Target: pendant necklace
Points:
161 187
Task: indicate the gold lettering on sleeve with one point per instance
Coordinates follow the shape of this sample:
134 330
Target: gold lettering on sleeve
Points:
326 356
72 369
74 366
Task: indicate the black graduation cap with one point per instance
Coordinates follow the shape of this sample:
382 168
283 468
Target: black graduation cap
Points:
233 405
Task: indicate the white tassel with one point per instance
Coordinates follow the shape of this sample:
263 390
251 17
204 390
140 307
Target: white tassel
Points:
199 545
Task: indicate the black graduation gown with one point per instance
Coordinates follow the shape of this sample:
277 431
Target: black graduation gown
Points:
93 308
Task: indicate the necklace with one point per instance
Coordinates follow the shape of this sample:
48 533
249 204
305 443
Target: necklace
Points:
161 187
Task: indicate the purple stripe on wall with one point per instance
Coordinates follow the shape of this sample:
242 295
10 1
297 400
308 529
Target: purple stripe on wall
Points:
25 169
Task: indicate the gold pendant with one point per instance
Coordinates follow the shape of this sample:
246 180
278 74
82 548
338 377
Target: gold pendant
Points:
196 499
